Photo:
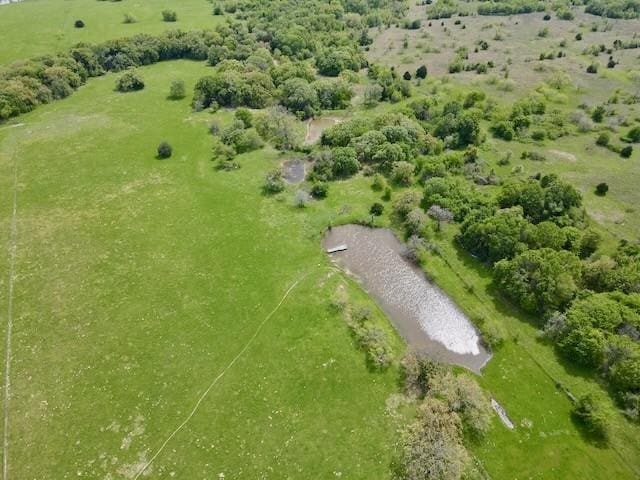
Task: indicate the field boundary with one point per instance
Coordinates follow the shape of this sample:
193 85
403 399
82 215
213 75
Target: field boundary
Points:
9 325
220 375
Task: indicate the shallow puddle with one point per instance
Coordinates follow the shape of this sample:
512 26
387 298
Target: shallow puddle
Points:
422 313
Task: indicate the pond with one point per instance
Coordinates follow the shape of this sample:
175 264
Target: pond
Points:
316 126
293 171
421 312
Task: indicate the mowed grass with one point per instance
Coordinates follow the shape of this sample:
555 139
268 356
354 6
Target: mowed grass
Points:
51 23
139 280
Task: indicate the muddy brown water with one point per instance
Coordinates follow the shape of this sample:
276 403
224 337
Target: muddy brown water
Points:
316 126
421 312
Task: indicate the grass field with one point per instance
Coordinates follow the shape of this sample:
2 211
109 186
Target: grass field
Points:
51 23
138 282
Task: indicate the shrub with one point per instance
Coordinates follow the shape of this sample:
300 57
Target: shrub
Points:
603 139
245 116
164 150
376 209
626 152
634 134
578 37
129 82
592 412
301 199
320 190
421 72
602 189
78 24
273 182
128 18
169 16
593 68
379 183
177 90
402 173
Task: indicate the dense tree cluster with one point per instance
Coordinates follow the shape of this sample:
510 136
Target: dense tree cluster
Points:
25 85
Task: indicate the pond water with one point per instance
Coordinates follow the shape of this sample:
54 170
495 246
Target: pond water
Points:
316 126
422 313
293 171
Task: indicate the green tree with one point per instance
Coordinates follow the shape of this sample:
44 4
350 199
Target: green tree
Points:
540 280
177 90
297 95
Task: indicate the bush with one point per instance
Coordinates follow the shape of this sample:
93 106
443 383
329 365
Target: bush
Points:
421 72
593 68
592 412
602 189
273 182
603 139
169 16
128 18
301 199
402 173
78 24
164 150
376 209
634 134
626 152
177 90
129 82
320 190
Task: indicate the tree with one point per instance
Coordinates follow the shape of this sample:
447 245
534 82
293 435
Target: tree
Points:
297 95
78 24
441 215
432 445
320 190
626 152
603 139
495 237
273 182
602 189
407 76
372 95
376 209
584 345
164 150
278 126
345 162
129 82
301 199
402 173
406 202
592 412
540 280
169 16
415 222
177 90
421 72
634 134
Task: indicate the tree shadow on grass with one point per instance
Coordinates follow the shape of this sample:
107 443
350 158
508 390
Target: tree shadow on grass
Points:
588 436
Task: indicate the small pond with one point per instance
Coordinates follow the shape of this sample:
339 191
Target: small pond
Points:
316 126
422 313
293 171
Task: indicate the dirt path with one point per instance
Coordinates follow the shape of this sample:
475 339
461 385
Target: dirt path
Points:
215 380
9 326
